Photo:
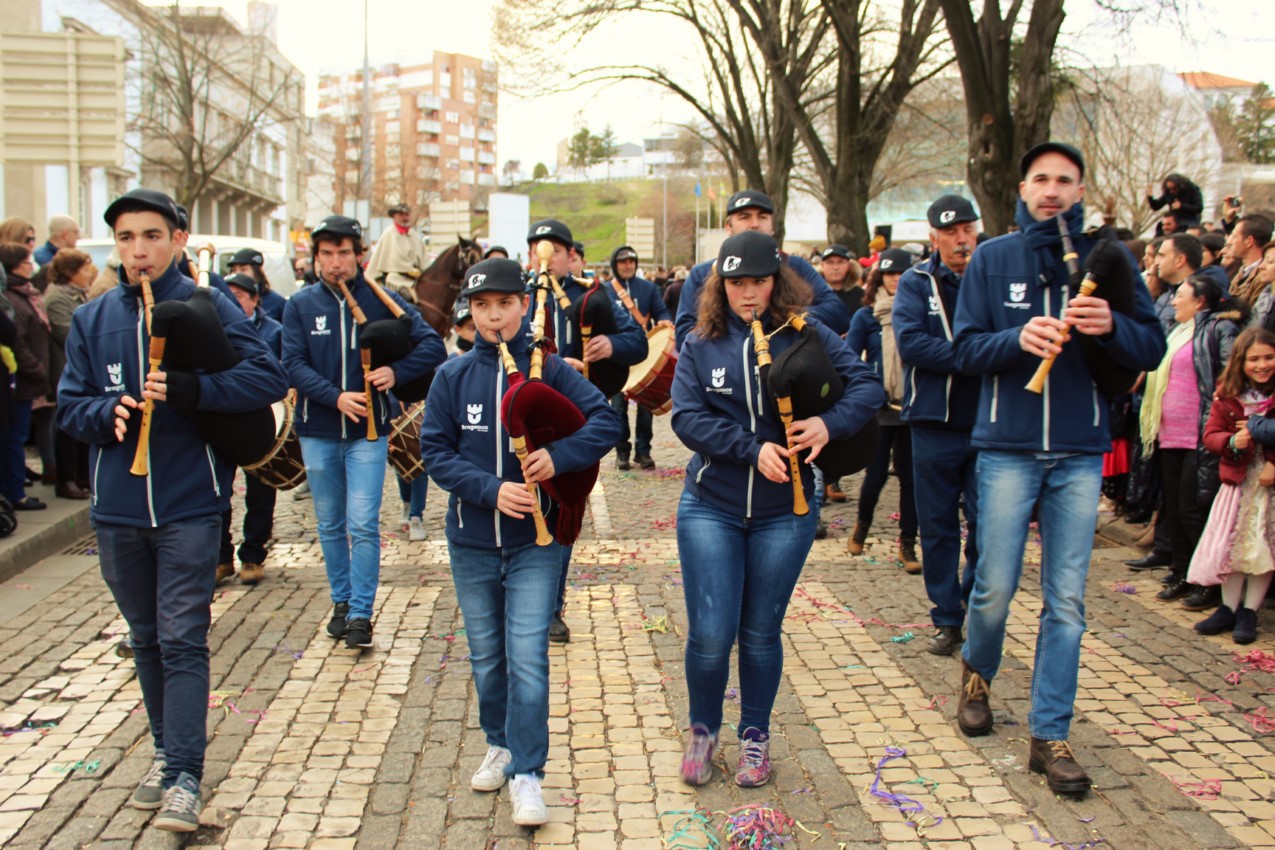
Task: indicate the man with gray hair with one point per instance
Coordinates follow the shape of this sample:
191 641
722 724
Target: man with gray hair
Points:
64 232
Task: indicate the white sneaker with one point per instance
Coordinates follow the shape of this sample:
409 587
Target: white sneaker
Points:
417 529
407 509
490 775
528 802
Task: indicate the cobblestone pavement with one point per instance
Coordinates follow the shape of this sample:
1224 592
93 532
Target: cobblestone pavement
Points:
315 746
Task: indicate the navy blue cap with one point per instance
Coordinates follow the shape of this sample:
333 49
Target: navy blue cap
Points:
551 228
461 311
837 251
247 257
183 218
894 261
495 275
749 198
493 249
948 210
748 254
138 200
338 225
1043 148
243 281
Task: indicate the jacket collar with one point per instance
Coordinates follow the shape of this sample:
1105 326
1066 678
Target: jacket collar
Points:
1045 233
162 287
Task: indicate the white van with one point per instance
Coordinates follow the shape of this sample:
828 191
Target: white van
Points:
277 267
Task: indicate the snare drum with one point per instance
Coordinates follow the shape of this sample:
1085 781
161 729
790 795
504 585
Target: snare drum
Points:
650 382
405 442
283 468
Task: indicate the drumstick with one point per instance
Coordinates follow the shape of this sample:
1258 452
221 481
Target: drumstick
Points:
155 356
762 346
543 537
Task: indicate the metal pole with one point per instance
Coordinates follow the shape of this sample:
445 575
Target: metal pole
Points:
365 172
665 261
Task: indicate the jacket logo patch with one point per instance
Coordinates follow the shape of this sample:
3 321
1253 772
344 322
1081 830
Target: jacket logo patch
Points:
320 326
1017 291
115 375
474 412
934 305
719 377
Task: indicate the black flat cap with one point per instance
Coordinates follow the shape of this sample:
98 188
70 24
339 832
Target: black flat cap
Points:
247 257
497 249
948 210
183 218
243 281
139 200
749 198
626 253
495 275
748 254
895 261
551 228
1043 148
837 251
579 246
338 225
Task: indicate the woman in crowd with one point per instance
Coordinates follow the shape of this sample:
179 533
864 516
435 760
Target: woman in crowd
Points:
872 336
1175 409
742 547
71 273
32 353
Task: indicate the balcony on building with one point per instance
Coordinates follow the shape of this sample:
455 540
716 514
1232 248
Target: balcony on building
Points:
429 101
486 158
427 149
429 125
485 135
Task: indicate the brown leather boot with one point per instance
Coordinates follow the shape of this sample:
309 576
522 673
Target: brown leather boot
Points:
1056 760
224 571
251 573
907 554
973 713
860 536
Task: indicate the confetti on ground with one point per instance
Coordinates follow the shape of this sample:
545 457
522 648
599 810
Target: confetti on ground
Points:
691 831
1263 723
656 624
89 767
759 827
904 804
903 638
1206 789
1121 587
1050 841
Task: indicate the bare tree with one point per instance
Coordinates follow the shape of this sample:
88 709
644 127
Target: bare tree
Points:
206 92
1009 93
1135 126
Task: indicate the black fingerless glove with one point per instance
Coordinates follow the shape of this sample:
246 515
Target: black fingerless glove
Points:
183 391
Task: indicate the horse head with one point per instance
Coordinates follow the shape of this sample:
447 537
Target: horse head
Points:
438 285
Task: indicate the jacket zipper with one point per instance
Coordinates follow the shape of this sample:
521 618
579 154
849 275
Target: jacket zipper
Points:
500 449
996 391
1096 415
340 315
97 468
141 370
213 469
947 332
752 424
460 517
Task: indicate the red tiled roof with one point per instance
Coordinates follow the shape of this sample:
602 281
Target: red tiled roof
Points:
1207 80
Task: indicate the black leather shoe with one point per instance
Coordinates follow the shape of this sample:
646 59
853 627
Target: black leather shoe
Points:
1221 620
1151 562
1168 579
622 461
1138 517
821 531
1203 598
644 461
1245 625
559 632
1177 590
30 503
945 640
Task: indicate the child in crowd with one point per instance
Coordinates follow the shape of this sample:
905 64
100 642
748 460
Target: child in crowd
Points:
1237 544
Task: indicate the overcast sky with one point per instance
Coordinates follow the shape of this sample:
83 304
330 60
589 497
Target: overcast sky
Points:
1230 37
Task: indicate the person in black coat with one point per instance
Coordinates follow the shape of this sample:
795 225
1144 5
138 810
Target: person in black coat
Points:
1182 197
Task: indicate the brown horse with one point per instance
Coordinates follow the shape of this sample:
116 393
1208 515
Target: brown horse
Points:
438 285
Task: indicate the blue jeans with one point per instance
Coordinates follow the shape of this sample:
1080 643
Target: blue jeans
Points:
642 444
413 493
738 576
1067 487
13 454
346 479
948 461
162 581
506 597
563 569
896 438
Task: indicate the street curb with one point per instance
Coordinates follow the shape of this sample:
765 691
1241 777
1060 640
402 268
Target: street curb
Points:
19 555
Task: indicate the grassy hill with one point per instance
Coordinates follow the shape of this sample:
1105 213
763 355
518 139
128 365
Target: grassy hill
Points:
595 212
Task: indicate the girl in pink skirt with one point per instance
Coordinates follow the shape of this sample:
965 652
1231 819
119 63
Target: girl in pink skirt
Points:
1237 543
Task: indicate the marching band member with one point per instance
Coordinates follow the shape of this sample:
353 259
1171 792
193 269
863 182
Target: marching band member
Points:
650 313
158 534
259 497
753 210
505 582
741 545
346 471
251 262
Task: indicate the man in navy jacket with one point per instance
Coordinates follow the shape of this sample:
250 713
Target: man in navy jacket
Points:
939 405
753 210
157 533
1042 450
346 470
650 311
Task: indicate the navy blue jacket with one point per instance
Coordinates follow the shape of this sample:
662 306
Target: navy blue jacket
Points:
106 358
321 354
826 305
469 454
628 344
646 298
272 304
1009 280
271 333
721 413
934 393
864 338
